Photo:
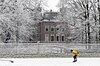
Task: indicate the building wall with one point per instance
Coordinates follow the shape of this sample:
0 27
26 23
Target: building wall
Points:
50 31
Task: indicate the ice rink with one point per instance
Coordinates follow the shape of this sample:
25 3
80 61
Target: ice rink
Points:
50 62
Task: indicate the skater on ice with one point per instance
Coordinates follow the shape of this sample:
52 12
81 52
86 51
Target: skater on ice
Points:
75 54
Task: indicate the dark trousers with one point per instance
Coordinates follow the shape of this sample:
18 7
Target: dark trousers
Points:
75 57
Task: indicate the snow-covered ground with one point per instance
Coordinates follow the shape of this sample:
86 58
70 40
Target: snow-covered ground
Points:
51 62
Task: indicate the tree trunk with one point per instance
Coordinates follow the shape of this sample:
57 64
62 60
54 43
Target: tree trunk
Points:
99 18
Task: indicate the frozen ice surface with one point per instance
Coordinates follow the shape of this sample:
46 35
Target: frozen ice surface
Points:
51 62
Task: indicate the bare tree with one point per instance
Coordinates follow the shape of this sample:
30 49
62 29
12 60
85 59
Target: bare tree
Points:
81 14
19 17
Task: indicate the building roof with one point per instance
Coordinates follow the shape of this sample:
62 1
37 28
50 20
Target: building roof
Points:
50 15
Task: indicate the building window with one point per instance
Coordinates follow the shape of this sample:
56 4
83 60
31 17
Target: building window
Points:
52 29
57 28
52 37
62 38
57 37
46 28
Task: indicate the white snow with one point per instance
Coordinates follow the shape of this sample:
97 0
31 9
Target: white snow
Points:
50 62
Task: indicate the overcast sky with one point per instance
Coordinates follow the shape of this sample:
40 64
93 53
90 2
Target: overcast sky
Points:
52 4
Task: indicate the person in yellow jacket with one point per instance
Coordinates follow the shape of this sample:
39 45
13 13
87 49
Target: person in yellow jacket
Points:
75 54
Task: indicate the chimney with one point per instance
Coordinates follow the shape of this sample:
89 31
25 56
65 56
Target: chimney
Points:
51 10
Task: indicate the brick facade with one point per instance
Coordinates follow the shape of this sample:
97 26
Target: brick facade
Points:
50 31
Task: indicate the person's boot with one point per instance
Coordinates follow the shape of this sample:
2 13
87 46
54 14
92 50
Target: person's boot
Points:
75 60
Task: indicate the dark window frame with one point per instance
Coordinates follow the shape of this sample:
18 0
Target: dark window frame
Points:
52 38
57 28
62 38
57 38
52 29
46 29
